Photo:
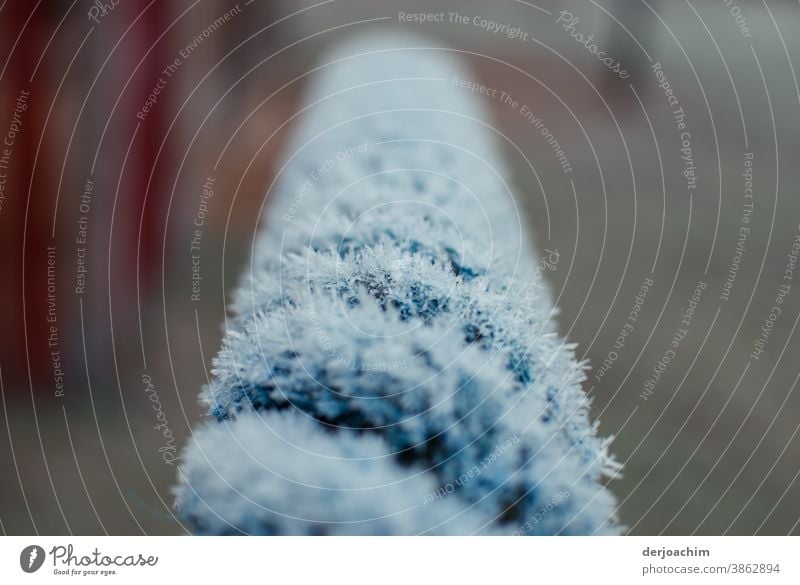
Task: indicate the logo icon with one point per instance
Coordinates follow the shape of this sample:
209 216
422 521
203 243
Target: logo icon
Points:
31 558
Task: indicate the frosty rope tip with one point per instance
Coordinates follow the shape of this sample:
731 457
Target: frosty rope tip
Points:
392 366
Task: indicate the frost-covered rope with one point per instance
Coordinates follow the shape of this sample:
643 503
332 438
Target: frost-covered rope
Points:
391 365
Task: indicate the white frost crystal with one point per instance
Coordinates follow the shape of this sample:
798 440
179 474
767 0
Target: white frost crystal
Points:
391 365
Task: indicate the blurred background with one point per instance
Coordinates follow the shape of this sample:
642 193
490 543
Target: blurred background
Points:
139 139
